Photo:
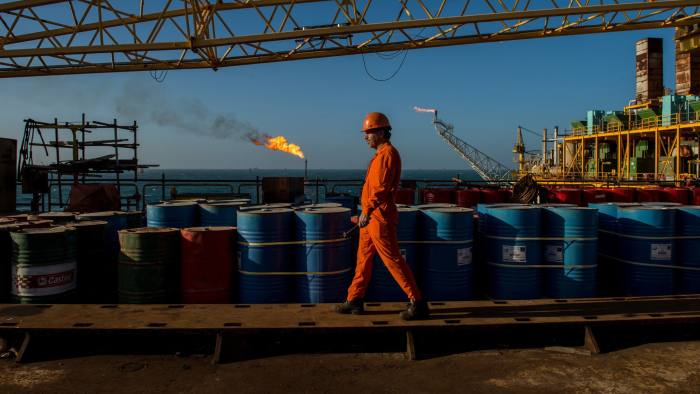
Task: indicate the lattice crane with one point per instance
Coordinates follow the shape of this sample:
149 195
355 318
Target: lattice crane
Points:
489 169
53 37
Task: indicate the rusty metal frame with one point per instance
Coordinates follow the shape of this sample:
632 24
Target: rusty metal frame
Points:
53 37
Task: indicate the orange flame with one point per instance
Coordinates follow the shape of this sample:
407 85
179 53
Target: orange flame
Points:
279 143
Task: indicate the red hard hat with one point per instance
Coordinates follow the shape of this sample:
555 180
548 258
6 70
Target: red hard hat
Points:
375 120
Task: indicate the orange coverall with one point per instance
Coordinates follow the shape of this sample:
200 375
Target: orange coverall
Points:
379 236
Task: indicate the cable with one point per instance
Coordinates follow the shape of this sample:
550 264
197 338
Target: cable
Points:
364 63
531 131
158 77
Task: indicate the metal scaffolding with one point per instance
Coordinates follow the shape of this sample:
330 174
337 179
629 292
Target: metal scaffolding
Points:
53 37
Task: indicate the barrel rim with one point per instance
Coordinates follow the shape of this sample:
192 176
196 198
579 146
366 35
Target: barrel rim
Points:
149 230
323 210
203 229
266 211
163 204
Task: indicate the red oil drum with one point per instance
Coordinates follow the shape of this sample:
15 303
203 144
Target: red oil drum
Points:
468 198
680 195
652 194
696 196
621 194
207 264
594 195
566 196
438 195
490 196
406 196
506 194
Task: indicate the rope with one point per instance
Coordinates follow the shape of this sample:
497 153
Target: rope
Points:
326 273
651 265
574 266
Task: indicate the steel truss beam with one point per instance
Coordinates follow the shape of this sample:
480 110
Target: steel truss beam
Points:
52 37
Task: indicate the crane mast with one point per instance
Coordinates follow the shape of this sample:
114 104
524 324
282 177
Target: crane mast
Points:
488 168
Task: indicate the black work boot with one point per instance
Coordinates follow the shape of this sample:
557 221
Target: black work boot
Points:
356 307
417 310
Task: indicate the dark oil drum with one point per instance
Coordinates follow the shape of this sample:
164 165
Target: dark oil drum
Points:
44 270
93 282
148 263
323 261
207 264
116 221
688 246
265 257
6 259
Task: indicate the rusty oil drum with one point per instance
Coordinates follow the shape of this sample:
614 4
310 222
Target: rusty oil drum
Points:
44 269
148 265
207 264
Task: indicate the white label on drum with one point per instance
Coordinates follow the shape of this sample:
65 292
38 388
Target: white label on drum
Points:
514 253
43 280
661 252
464 256
554 254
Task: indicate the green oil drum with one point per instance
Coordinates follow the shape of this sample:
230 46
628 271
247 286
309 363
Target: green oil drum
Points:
6 259
148 265
44 270
96 283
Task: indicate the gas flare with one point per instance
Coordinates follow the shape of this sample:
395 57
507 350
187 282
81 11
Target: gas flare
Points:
419 109
279 143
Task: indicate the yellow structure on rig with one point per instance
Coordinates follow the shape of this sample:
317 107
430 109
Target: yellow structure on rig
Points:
655 138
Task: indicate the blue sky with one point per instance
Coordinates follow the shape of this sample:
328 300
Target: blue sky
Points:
485 90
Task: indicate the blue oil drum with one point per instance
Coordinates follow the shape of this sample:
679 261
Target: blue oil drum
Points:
266 259
383 287
218 214
445 251
172 214
570 247
324 262
688 247
513 245
345 201
480 266
609 268
646 250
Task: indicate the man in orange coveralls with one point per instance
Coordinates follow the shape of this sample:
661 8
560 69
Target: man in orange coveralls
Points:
378 223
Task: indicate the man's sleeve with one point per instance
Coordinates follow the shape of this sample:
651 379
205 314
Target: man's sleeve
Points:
381 182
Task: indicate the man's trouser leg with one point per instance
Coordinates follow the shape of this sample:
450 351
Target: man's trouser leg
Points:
384 238
363 270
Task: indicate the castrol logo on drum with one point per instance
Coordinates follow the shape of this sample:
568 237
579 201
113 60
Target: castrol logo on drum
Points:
43 281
